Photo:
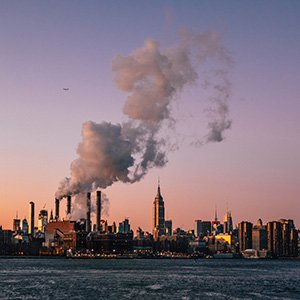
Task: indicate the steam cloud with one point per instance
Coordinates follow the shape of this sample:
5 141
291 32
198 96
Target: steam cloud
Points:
153 78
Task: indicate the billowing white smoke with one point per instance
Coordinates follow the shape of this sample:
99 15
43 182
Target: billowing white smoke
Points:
153 78
79 205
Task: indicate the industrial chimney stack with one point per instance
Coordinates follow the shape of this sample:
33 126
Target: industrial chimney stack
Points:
31 221
88 213
98 211
69 205
56 209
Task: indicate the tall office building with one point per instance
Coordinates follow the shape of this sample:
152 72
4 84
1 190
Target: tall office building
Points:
245 235
31 218
228 224
42 220
202 228
124 227
16 224
158 214
25 226
289 238
259 236
168 227
275 238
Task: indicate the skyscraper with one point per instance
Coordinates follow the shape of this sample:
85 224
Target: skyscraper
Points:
158 214
42 220
168 227
16 224
31 218
202 228
228 224
259 236
245 235
275 238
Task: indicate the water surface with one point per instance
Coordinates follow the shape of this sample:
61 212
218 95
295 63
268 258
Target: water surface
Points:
25 278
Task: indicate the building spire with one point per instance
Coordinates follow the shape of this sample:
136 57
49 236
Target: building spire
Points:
158 187
216 214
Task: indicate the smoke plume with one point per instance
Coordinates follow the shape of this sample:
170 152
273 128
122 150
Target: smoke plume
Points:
153 79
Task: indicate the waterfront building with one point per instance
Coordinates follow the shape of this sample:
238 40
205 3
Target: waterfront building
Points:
16 224
275 238
25 226
228 224
168 227
202 228
245 235
224 237
289 238
42 220
259 236
124 227
216 226
31 218
158 214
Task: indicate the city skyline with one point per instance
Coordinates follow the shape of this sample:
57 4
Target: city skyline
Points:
95 204
56 73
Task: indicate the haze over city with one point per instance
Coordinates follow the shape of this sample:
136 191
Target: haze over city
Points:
63 64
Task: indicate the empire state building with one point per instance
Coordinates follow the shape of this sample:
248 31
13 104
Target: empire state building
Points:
158 215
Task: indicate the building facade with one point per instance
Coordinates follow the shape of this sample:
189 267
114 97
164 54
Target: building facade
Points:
158 214
245 235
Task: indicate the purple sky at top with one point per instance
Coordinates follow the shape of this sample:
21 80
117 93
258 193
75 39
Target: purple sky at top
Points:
48 45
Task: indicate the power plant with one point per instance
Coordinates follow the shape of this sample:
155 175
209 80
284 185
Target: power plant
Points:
92 236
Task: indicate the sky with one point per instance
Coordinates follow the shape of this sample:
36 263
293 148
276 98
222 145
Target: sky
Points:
50 45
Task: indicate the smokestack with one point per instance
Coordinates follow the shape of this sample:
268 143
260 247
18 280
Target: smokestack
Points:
69 205
31 221
88 213
56 209
98 210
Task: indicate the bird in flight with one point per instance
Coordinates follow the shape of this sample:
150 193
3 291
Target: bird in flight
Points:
65 89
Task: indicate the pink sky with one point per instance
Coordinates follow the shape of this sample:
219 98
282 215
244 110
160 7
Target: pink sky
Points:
48 46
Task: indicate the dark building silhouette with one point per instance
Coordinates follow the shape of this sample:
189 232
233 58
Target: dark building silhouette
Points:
289 238
158 215
168 227
202 228
275 238
259 236
69 204
31 218
88 213
245 235
228 224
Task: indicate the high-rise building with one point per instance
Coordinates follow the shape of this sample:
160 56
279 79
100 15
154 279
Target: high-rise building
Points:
158 214
168 227
245 235
228 224
16 224
202 228
124 227
25 226
275 238
31 218
259 236
215 224
42 220
289 238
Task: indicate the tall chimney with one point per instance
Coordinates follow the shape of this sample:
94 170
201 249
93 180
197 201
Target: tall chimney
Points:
69 205
31 221
88 213
98 219
56 209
